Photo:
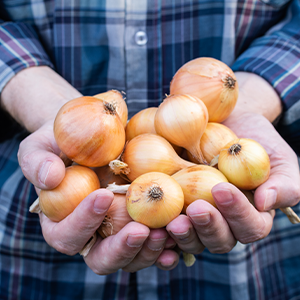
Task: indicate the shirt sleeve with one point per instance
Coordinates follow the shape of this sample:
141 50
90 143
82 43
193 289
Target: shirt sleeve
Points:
19 48
276 57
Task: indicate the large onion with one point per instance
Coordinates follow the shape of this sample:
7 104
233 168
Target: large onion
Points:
210 80
89 131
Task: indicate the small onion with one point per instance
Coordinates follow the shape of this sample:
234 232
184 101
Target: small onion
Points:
78 183
151 153
245 163
116 217
89 131
197 181
115 98
182 119
214 138
154 199
210 80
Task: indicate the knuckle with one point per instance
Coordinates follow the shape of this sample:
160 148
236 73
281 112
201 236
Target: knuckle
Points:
223 248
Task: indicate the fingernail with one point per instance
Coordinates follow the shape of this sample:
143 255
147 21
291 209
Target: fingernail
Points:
271 196
44 171
136 240
224 197
100 204
156 244
181 236
201 219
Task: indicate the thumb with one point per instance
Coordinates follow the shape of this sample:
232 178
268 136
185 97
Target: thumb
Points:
71 234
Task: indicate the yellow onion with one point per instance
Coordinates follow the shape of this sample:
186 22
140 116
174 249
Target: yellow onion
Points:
210 80
182 119
154 199
245 163
78 183
214 138
197 181
116 99
149 153
89 131
116 217
141 122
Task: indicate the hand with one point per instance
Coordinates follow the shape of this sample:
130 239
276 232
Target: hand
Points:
133 248
236 219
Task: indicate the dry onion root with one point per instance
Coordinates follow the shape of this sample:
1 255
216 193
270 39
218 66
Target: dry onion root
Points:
115 98
210 80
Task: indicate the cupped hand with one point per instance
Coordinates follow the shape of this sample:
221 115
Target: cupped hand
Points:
235 218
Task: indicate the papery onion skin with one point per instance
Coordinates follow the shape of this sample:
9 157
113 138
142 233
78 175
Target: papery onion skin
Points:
197 181
89 132
154 211
214 138
117 99
182 119
151 153
210 80
106 176
78 183
116 217
245 163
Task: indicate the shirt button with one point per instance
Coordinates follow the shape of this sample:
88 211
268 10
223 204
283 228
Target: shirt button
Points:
141 38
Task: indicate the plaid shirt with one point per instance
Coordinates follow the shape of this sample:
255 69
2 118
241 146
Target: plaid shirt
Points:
136 46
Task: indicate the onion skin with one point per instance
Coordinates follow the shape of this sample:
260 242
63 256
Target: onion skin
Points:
245 163
116 98
197 181
154 199
89 132
106 176
78 183
116 217
210 80
214 138
182 119
151 153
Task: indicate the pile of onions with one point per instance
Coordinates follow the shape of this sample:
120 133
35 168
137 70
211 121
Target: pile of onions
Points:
154 199
115 98
78 183
182 119
89 131
149 153
210 80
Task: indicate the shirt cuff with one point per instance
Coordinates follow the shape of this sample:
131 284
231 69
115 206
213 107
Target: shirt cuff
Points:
20 48
276 59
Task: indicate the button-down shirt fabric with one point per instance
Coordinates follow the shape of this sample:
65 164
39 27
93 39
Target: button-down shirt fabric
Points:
136 46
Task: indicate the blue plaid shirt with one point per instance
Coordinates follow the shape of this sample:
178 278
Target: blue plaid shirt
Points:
136 46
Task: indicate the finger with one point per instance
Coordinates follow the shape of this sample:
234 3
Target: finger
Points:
182 231
71 234
117 251
282 189
39 160
246 223
211 227
149 253
167 260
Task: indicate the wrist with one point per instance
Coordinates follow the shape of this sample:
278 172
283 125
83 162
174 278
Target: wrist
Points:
34 96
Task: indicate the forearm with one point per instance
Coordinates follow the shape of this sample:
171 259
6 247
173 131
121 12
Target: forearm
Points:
34 95
256 95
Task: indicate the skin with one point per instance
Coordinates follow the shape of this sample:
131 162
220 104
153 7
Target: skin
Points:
39 89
